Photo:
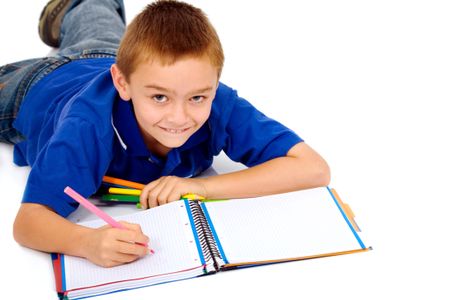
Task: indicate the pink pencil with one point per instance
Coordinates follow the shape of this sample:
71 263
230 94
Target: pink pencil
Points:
95 210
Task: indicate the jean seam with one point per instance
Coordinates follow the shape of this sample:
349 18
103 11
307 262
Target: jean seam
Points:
6 117
93 53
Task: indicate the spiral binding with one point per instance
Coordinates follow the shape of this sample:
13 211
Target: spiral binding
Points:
205 235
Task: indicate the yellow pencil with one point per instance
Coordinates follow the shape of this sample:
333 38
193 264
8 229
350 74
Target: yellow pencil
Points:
192 197
121 191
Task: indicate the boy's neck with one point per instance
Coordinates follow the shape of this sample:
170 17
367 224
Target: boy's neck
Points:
158 149
154 146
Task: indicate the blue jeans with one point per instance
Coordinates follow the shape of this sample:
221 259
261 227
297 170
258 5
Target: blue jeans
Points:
90 28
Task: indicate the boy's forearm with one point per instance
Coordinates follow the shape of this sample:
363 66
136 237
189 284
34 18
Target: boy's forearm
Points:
302 168
268 178
39 228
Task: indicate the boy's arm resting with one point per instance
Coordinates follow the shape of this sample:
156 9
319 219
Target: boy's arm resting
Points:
38 227
301 168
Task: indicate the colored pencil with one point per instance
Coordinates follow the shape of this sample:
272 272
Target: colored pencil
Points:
122 182
121 191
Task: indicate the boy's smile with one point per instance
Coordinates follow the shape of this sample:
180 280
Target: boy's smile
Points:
171 102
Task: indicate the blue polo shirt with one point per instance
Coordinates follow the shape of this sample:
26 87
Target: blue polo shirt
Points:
78 129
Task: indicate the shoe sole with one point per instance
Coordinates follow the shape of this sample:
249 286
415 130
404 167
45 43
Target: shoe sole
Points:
50 21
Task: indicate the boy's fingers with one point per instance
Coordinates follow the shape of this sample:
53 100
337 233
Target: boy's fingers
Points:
121 258
150 193
145 193
132 236
132 249
174 196
132 226
154 194
170 192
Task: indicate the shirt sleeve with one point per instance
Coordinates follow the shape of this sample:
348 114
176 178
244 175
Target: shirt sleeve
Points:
75 156
247 135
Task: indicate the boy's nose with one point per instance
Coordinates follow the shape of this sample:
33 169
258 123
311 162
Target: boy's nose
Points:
178 114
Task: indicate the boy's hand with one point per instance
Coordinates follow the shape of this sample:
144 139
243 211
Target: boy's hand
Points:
168 189
108 247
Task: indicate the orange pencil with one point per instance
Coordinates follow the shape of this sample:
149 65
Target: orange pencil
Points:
123 182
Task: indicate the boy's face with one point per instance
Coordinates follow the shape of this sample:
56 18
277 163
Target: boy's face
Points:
170 102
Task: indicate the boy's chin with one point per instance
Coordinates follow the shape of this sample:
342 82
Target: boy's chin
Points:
176 143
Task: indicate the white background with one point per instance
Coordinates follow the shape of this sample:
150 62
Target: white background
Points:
365 84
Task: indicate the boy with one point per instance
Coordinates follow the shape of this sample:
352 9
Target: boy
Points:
156 114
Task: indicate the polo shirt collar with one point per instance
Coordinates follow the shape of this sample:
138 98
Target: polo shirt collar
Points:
127 130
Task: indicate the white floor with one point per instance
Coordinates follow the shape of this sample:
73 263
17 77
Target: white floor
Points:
365 84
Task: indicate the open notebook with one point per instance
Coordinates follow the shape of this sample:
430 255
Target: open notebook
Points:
192 239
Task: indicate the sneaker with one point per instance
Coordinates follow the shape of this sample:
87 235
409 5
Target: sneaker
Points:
50 21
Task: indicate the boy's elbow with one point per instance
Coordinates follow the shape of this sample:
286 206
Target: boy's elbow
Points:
313 169
19 229
23 224
319 174
17 232
323 175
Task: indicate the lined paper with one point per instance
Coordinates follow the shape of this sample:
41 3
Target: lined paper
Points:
282 226
171 238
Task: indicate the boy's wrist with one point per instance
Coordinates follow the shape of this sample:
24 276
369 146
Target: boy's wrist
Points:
81 241
203 186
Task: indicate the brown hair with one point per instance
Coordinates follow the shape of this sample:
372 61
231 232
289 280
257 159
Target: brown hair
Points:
168 30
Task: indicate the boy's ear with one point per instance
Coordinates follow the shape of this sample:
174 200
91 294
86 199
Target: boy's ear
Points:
120 83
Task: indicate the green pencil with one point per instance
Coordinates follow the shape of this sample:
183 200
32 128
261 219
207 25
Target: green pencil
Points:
120 198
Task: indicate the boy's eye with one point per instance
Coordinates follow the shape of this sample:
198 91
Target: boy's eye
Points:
197 99
160 98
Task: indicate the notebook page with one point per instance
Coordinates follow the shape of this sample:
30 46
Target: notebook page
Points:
282 226
171 238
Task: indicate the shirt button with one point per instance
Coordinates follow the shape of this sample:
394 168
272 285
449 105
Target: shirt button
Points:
150 159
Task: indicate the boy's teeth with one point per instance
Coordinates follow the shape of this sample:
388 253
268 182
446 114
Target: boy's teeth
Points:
173 130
